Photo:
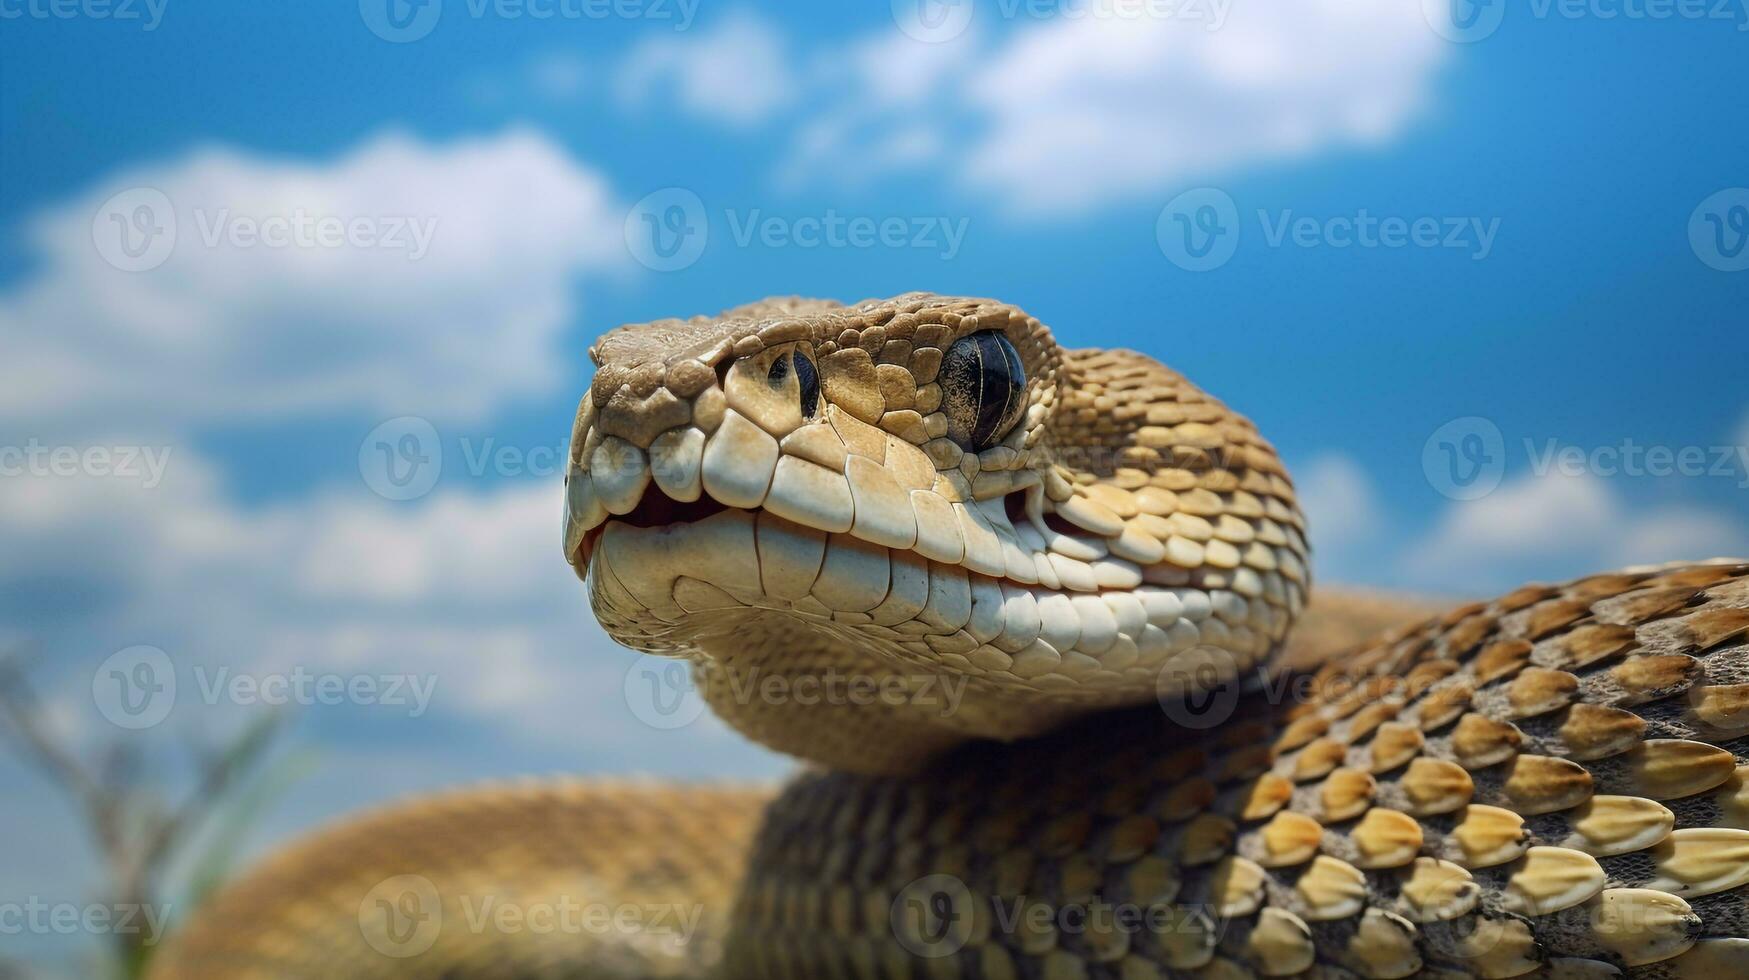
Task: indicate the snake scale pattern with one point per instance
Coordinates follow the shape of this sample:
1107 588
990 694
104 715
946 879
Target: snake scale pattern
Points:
1105 566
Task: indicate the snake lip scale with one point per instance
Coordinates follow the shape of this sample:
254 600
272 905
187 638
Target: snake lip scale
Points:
929 490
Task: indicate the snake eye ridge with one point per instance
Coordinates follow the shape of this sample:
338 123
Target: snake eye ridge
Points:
809 380
983 389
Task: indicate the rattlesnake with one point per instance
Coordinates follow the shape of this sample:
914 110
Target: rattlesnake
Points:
1106 561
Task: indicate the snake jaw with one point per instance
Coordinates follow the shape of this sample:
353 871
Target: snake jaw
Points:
778 488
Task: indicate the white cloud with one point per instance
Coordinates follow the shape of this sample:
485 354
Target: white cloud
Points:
449 325
466 588
1069 113
1345 518
1338 498
736 74
1558 526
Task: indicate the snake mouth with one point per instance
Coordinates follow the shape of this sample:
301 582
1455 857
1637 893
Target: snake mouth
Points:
654 509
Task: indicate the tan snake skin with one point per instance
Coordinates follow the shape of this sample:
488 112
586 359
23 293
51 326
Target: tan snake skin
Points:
1548 784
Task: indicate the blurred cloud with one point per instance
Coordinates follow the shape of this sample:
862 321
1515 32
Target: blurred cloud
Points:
231 286
736 73
466 589
452 587
1555 524
1338 498
1544 527
559 75
1066 114
1344 516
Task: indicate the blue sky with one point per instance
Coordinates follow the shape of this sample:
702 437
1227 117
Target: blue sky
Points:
1582 293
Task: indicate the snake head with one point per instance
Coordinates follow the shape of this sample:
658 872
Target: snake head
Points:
915 492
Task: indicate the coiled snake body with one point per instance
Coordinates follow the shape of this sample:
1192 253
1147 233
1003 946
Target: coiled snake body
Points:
923 494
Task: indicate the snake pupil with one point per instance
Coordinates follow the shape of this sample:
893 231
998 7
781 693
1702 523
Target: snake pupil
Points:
810 384
983 388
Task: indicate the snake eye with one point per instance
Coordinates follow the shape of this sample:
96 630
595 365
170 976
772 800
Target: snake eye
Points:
983 389
810 384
